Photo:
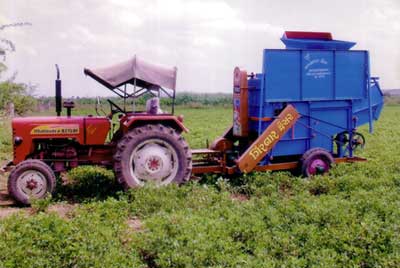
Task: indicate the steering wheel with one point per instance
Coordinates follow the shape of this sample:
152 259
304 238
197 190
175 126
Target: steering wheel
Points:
114 108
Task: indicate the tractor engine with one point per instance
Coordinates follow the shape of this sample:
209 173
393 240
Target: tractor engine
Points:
62 154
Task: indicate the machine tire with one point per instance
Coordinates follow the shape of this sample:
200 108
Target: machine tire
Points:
41 177
316 161
158 144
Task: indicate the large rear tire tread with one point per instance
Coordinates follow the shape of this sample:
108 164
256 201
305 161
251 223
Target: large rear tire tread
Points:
137 135
30 164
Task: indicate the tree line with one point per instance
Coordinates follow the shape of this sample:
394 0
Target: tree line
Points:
19 94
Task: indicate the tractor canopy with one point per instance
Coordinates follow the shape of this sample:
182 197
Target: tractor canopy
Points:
137 72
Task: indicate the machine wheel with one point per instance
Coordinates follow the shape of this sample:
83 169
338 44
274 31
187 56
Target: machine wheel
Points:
316 161
152 153
31 179
358 141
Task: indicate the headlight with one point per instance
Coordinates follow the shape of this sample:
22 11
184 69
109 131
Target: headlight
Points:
17 140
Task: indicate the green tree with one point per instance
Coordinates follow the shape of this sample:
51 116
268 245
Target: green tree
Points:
11 92
19 94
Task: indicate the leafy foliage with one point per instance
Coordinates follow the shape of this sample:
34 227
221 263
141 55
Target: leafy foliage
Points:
349 218
89 182
5 139
19 94
93 238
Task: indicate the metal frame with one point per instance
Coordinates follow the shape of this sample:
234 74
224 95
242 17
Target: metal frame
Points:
219 166
154 90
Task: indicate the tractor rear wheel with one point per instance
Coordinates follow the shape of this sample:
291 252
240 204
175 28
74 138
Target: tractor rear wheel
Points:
152 153
316 161
31 179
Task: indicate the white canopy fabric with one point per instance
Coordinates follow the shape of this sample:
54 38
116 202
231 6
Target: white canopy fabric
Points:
146 74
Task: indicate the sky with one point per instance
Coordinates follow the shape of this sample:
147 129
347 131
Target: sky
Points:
204 39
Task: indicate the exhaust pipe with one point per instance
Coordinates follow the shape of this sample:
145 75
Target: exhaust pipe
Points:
58 92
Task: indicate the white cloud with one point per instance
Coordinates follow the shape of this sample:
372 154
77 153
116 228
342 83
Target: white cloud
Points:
129 19
193 11
84 34
32 52
77 36
3 19
208 41
126 4
62 35
202 37
189 12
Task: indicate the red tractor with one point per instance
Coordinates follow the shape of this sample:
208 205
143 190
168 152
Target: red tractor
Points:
301 112
147 145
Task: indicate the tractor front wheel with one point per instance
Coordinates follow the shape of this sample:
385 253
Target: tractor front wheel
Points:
31 179
316 161
152 153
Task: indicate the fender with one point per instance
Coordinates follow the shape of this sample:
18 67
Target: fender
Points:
131 121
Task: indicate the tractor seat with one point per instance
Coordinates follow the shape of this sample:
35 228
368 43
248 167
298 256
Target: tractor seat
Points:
153 106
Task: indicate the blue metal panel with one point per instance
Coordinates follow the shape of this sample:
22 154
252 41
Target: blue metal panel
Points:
361 111
350 79
300 129
331 89
289 147
326 123
282 80
317 75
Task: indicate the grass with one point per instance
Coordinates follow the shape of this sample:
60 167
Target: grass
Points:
5 139
349 218
205 124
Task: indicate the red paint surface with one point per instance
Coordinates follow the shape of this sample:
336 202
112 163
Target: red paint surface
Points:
129 121
309 35
23 127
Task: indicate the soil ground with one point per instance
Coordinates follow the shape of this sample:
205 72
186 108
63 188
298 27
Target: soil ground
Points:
8 206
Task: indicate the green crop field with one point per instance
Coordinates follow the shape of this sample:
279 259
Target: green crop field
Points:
349 218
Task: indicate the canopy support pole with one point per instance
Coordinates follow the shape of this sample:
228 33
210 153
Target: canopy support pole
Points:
134 96
125 97
173 103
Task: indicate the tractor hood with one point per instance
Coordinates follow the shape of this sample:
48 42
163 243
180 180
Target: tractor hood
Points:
85 130
134 71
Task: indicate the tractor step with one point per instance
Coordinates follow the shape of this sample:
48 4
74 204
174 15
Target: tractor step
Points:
204 151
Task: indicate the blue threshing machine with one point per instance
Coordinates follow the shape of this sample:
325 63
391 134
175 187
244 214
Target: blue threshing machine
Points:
311 96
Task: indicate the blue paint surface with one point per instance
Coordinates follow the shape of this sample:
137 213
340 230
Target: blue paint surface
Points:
327 83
